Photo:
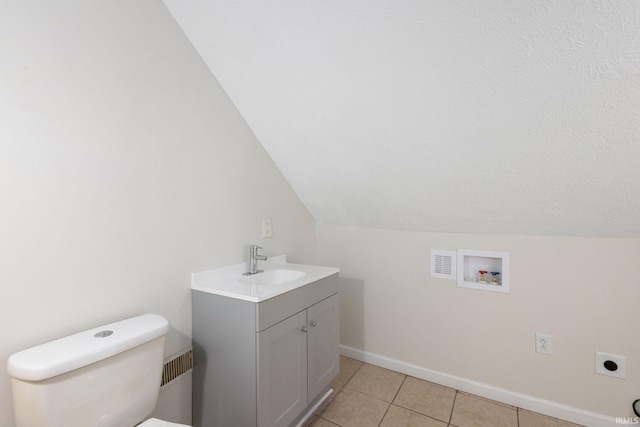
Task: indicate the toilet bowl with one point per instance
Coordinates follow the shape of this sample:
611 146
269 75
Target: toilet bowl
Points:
108 376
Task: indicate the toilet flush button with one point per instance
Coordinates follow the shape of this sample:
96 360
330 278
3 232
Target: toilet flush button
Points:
103 334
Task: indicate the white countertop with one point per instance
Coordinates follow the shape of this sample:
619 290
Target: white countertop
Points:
229 281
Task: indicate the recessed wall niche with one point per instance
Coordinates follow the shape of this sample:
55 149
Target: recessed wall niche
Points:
484 270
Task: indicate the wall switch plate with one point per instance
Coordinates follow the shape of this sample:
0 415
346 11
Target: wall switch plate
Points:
543 343
267 228
611 365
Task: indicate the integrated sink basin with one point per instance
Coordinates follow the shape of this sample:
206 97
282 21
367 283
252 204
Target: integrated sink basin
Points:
278 277
273 277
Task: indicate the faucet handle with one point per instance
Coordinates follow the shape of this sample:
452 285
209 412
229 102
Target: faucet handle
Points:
253 251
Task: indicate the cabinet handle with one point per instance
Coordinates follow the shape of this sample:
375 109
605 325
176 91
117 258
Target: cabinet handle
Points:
304 329
313 323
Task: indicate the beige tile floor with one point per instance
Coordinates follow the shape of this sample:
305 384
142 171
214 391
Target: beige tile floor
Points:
366 396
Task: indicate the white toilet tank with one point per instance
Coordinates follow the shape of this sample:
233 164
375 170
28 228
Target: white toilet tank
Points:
108 376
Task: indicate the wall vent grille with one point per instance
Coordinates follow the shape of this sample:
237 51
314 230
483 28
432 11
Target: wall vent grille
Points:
176 366
443 264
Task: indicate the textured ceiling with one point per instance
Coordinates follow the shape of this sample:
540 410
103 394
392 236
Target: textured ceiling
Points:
511 117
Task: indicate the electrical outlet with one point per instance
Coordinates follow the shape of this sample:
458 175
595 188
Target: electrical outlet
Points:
267 228
543 343
611 365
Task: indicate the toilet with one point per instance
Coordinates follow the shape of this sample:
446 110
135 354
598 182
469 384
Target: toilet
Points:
108 376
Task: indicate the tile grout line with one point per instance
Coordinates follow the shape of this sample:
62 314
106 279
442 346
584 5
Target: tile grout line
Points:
368 395
339 392
392 400
384 415
349 379
455 397
398 390
411 410
421 414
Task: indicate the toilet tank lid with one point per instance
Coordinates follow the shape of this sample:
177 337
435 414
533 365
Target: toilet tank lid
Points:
75 351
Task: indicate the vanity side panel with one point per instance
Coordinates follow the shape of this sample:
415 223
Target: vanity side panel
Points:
224 373
280 307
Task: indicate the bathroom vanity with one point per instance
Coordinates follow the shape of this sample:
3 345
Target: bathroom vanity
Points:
265 346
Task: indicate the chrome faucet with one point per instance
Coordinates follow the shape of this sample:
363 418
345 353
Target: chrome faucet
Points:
254 257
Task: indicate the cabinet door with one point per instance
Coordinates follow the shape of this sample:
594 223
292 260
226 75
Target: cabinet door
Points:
282 371
324 356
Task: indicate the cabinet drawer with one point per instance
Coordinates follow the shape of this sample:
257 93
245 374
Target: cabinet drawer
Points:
276 309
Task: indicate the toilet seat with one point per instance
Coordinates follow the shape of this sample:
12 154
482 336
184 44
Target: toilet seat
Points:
154 422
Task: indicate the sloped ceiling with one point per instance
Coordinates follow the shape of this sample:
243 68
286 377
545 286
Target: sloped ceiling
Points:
510 117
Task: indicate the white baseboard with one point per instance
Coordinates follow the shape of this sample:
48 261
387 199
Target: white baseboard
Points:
531 403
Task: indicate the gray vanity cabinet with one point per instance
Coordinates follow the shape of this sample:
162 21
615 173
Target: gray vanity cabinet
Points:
263 364
297 359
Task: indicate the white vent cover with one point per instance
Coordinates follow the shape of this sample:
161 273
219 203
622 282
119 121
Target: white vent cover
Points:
443 264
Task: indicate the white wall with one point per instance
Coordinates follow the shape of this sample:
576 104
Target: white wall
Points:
582 291
123 168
